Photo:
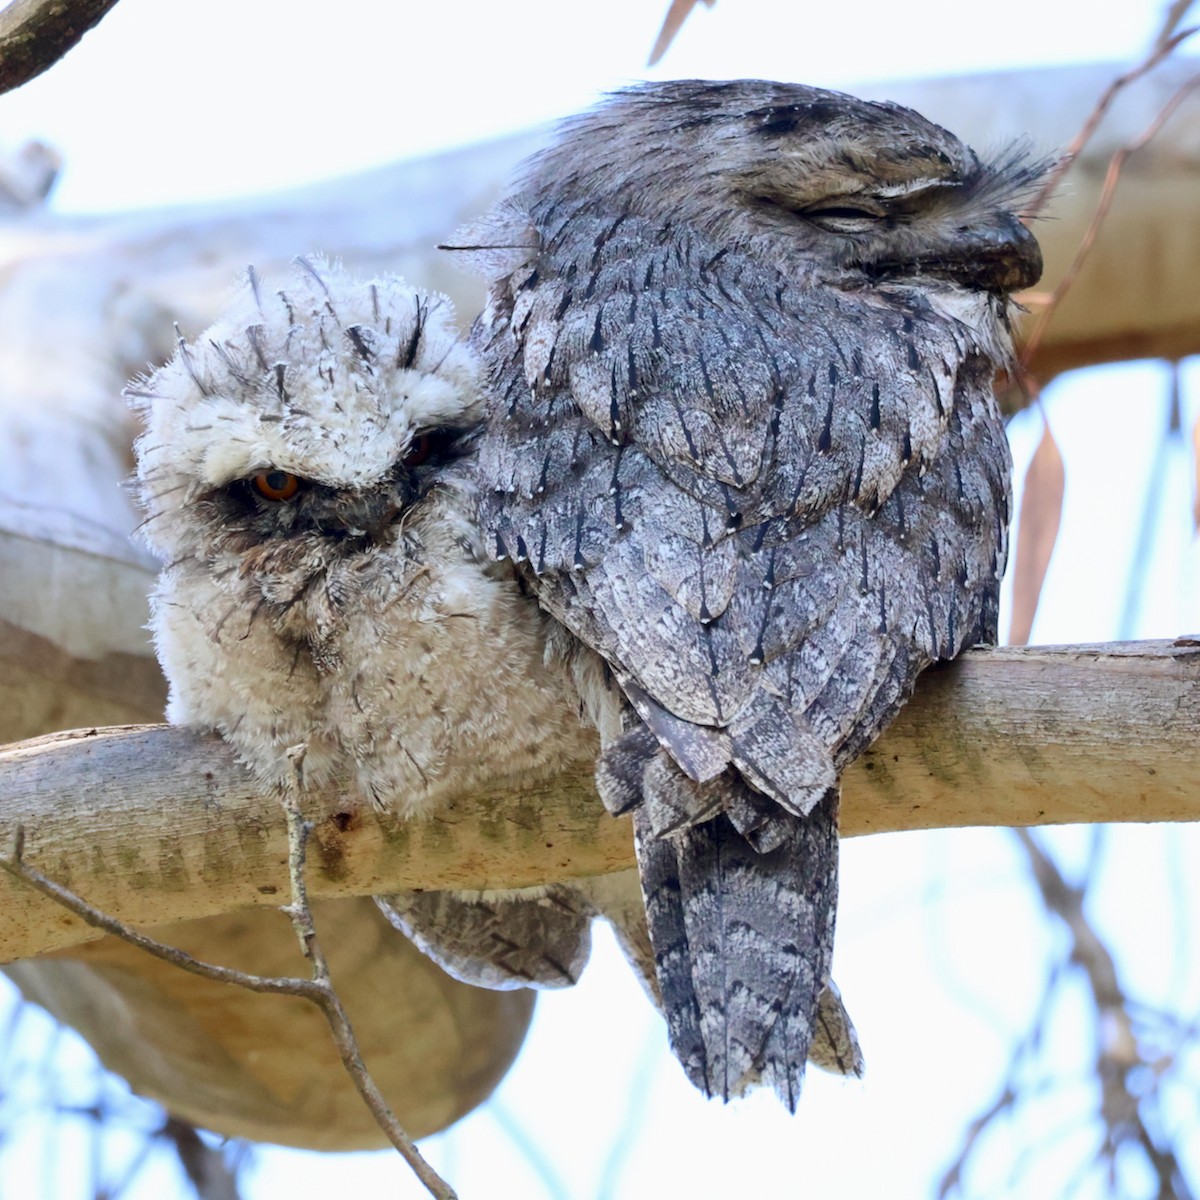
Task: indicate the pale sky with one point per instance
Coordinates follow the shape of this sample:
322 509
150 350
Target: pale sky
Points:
170 101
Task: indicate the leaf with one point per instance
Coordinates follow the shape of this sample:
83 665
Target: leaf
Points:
1196 474
672 24
1037 531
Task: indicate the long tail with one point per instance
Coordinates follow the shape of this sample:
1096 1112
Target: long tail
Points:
618 898
743 940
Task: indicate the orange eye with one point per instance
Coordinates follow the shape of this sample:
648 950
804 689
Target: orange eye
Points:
276 485
418 450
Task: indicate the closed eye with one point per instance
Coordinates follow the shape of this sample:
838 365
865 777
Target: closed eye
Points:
435 447
844 218
839 211
836 214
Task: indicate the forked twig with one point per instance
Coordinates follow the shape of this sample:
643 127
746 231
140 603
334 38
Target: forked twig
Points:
1163 48
317 990
1174 14
1128 1074
1120 1058
1116 165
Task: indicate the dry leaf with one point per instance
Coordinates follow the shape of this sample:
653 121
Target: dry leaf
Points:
672 24
1037 531
1196 474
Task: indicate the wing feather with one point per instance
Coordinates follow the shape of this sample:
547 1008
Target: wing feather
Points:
705 480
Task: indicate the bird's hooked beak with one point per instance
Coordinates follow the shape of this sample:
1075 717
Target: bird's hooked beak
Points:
998 255
359 514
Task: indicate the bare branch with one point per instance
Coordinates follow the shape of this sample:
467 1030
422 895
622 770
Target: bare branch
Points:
1119 1056
330 1003
952 1180
227 1059
14 863
206 1168
35 34
1174 15
1163 48
157 824
1108 192
318 990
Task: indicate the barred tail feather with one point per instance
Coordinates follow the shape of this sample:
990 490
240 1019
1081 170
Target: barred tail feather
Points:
742 943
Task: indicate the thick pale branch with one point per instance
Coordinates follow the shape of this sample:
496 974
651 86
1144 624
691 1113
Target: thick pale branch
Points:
154 824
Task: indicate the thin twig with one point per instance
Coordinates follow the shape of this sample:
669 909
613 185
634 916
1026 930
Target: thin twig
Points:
1012 1092
1173 16
206 1168
299 831
1118 1054
952 1179
35 34
318 990
1116 165
1120 1063
1163 48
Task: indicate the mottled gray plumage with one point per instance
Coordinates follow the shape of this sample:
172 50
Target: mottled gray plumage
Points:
742 444
499 942
307 476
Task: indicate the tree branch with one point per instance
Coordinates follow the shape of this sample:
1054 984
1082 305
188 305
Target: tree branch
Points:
35 34
206 1168
319 990
153 824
